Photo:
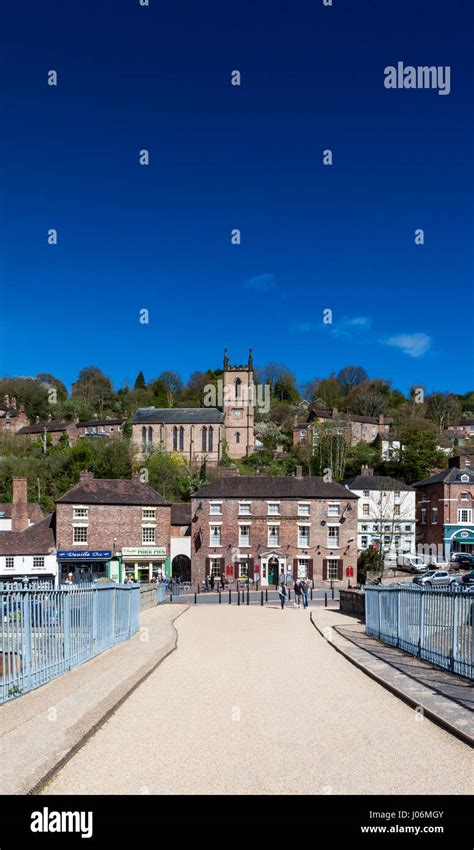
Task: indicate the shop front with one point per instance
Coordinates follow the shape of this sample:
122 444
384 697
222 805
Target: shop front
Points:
84 566
458 539
145 563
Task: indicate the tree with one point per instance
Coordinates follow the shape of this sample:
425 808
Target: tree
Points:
285 388
173 385
51 382
362 454
94 389
29 392
140 381
168 475
329 448
443 409
419 454
351 376
328 392
369 399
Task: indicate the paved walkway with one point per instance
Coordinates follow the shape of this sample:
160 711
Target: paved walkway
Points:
42 727
254 700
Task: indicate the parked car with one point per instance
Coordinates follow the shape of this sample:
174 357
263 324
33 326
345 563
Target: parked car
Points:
409 563
462 559
468 578
436 578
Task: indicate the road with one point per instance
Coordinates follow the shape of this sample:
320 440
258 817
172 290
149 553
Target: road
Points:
255 701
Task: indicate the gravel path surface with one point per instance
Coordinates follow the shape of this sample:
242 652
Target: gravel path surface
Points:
255 701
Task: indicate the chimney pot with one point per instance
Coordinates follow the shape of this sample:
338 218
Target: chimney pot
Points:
6 400
37 419
85 475
299 472
13 402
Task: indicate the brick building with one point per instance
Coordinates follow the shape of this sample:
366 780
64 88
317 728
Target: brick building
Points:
97 427
444 504
113 527
356 429
11 418
260 526
52 429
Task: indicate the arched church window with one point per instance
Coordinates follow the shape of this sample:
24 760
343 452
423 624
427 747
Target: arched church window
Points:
204 439
181 439
238 388
175 438
210 441
237 437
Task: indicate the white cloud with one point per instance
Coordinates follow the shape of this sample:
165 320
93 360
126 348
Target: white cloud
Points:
260 283
413 344
351 326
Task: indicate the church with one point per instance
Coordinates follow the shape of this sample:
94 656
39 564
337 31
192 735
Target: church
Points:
202 433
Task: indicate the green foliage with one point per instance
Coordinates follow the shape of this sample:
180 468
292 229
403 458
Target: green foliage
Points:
360 455
140 381
420 455
29 392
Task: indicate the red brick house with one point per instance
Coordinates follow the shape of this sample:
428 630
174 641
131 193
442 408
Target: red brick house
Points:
11 418
113 527
445 508
54 429
356 429
261 526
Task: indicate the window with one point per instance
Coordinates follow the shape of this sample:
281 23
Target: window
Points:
38 562
302 568
245 509
181 439
364 527
215 508
333 569
396 494
238 388
148 535
465 496
464 515
210 441
9 563
237 437
464 479
216 535
204 439
407 527
366 494
386 528
434 516
273 535
244 535
333 536
423 516
303 508
150 437
365 510
80 513
148 513
215 567
396 528
334 509
396 510
175 438
364 541
242 568
386 541
143 437
273 508
80 534
303 536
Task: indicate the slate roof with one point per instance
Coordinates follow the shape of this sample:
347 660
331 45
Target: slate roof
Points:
38 539
346 417
92 422
178 415
112 491
448 476
181 514
38 427
273 486
376 482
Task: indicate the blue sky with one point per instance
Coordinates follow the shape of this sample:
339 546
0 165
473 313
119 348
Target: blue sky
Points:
313 237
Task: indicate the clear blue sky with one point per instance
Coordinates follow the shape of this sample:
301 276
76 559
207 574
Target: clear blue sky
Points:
248 157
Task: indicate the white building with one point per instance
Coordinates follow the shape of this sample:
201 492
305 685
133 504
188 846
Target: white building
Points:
27 549
386 512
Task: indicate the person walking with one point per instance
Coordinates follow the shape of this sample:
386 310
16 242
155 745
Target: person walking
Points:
282 578
304 592
282 594
297 590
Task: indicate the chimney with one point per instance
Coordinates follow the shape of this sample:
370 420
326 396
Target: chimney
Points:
37 419
299 472
459 462
6 400
366 470
85 475
20 504
381 419
49 417
13 402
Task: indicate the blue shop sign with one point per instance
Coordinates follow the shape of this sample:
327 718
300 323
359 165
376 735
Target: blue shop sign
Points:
100 555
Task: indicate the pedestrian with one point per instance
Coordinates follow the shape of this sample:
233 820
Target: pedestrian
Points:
304 592
282 595
222 581
282 578
212 582
296 603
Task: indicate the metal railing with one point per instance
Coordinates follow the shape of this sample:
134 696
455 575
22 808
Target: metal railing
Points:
435 624
44 633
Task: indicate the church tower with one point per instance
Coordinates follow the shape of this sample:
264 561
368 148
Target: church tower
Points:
239 408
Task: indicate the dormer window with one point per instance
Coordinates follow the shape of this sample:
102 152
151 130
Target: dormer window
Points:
464 479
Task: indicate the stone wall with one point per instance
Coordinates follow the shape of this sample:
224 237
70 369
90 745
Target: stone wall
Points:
352 602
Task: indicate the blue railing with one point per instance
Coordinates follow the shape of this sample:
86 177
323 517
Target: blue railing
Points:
433 623
161 594
44 633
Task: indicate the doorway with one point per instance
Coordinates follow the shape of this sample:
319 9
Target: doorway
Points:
273 568
181 568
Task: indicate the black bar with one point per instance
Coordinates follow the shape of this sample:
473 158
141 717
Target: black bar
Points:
171 595
198 587
248 596
325 600
220 600
243 597
195 598
289 595
230 597
266 594
238 597
261 597
311 592
332 593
